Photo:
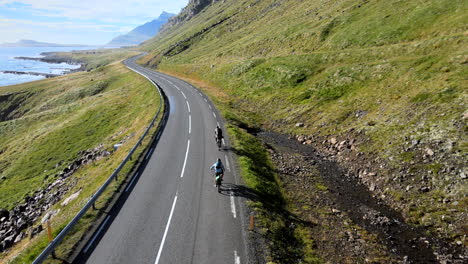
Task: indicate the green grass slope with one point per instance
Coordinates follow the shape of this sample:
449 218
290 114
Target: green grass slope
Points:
46 123
390 74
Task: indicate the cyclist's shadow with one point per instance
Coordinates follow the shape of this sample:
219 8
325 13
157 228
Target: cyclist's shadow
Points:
231 189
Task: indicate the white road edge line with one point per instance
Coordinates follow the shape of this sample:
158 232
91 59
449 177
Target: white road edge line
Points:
131 182
185 160
97 233
224 143
236 258
190 124
209 106
227 163
205 100
214 114
183 94
149 153
233 205
218 124
188 106
165 231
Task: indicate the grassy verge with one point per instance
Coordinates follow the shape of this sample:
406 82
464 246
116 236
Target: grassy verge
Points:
55 120
287 238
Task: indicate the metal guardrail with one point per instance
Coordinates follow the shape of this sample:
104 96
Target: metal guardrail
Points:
54 243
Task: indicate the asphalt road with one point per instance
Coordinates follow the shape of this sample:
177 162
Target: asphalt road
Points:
173 213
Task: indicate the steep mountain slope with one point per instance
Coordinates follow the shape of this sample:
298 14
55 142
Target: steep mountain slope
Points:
141 33
377 86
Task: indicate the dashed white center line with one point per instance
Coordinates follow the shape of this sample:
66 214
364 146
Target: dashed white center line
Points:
189 124
165 231
228 167
236 258
96 234
183 95
233 205
188 106
185 160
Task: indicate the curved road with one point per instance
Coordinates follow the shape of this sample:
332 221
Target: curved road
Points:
173 213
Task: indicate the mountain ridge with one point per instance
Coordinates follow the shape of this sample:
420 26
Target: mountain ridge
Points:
141 33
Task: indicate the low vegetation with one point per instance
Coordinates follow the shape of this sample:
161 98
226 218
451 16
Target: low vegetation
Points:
93 59
390 75
46 125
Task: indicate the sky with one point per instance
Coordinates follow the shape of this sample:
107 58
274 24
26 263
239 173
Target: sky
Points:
91 22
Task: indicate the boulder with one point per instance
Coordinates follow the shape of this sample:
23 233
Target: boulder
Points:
4 213
8 241
429 152
49 216
299 124
71 198
18 238
21 224
36 231
21 207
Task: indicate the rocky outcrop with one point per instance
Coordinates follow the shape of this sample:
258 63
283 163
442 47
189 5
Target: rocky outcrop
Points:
420 179
193 8
47 75
52 57
17 223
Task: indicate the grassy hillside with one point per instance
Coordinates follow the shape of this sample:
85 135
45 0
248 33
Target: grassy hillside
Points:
390 75
46 123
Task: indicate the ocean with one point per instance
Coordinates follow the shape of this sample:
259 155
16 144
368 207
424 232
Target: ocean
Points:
9 63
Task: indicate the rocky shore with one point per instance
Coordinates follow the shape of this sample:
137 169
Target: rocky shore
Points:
52 57
47 75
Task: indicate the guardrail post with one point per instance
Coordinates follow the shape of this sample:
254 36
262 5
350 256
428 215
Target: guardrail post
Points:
251 223
94 206
49 234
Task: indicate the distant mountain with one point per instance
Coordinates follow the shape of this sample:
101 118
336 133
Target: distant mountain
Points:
32 43
141 33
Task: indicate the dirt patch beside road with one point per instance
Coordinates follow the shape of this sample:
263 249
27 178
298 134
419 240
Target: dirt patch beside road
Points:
351 225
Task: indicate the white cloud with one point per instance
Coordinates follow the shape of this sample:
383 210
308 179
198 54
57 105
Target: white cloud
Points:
117 10
77 21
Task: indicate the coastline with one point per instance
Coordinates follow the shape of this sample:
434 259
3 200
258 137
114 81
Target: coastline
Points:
47 75
53 58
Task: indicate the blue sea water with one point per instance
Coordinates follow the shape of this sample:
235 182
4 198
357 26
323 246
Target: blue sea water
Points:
9 63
